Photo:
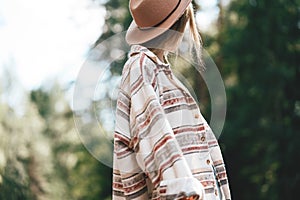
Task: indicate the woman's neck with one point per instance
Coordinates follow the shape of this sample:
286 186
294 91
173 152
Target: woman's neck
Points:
161 55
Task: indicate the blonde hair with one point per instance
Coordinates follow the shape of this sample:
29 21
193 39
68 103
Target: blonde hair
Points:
174 35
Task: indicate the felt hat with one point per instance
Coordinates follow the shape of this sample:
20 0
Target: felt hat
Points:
152 18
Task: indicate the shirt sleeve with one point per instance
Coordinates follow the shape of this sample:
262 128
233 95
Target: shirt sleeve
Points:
129 181
157 152
218 162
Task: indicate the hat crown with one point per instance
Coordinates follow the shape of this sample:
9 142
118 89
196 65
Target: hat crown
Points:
150 13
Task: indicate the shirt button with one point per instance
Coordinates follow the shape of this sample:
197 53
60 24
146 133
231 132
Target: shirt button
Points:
197 115
208 161
202 138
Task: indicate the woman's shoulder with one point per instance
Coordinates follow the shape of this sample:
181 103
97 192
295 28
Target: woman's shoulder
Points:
139 66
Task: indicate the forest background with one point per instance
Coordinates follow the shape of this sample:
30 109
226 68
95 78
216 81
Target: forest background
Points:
254 43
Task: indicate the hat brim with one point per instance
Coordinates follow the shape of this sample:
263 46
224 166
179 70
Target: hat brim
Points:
135 35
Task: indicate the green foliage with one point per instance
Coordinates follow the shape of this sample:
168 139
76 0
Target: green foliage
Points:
78 174
42 101
260 55
117 18
11 189
91 179
41 156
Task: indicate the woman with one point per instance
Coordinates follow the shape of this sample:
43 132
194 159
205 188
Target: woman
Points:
163 147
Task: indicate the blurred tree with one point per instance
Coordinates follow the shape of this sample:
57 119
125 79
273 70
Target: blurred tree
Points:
117 20
77 175
260 60
20 158
14 181
41 156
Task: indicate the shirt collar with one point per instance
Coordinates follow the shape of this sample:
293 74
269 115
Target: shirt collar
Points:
138 49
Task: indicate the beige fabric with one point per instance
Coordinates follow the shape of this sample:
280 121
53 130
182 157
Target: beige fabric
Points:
163 147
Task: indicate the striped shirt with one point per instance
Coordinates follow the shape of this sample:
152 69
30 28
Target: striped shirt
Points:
163 147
